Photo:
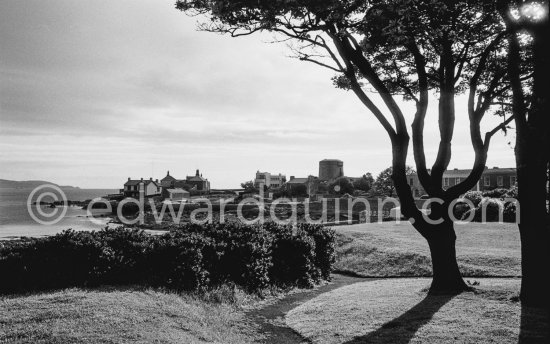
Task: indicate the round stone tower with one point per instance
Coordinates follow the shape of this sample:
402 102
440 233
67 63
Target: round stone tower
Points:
330 169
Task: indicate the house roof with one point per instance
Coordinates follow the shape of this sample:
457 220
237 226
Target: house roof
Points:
195 179
456 173
168 177
506 170
297 181
466 172
133 182
177 190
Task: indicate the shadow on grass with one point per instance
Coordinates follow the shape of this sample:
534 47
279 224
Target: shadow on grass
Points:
402 329
535 326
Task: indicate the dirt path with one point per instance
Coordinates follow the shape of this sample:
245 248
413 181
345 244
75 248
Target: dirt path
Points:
272 318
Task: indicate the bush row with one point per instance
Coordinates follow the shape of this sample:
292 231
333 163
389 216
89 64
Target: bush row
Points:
493 203
191 257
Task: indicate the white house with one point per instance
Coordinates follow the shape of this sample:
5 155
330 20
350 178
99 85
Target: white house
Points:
133 186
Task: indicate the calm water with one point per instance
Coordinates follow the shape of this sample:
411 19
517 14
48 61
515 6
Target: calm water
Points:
15 220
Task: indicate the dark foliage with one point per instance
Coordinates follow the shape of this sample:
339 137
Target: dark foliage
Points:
191 257
495 193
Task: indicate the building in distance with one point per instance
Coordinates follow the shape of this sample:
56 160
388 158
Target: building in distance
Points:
330 169
198 183
150 188
492 178
272 181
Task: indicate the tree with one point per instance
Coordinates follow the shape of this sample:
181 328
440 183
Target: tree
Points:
299 190
383 186
248 186
364 183
341 186
400 48
527 34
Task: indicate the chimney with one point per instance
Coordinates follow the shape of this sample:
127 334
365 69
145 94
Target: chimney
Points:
456 169
291 177
129 178
167 173
495 167
156 180
141 179
197 174
151 178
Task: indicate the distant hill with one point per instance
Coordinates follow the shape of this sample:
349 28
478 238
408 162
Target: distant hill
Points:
28 184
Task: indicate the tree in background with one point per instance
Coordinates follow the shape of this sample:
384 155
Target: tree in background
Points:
400 48
249 187
341 186
383 186
364 183
299 190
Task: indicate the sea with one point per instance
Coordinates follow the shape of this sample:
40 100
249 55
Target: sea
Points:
16 220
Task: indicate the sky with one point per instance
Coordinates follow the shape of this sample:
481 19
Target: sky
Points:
94 92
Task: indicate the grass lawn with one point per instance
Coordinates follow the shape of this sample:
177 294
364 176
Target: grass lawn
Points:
390 249
399 311
121 316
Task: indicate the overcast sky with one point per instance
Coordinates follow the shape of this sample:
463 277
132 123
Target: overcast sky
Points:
94 92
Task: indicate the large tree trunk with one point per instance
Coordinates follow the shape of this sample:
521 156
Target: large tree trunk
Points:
441 237
532 159
533 227
535 262
447 278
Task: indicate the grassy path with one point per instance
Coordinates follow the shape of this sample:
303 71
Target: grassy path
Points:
271 319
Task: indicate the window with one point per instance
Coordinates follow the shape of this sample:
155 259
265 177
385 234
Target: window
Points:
500 180
457 180
513 180
487 181
411 181
445 181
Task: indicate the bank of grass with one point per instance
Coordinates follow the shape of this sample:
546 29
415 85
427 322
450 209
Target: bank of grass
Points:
127 315
397 250
399 311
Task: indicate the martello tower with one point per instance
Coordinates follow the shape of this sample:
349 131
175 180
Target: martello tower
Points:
330 169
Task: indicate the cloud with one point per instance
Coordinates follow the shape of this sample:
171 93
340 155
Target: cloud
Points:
94 92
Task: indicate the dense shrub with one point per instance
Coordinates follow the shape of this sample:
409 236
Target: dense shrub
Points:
293 258
495 193
474 196
510 212
460 209
493 207
325 247
512 193
191 257
175 261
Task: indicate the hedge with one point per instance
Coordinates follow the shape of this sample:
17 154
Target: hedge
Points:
191 257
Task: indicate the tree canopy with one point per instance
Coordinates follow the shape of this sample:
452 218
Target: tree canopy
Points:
392 49
383 185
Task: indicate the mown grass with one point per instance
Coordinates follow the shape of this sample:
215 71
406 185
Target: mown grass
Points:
397 250
126 315
399 311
